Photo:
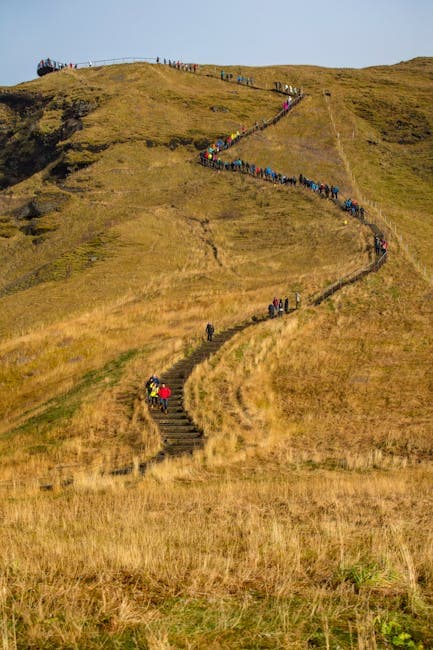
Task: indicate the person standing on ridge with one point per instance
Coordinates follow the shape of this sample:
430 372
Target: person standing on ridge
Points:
297 299
286 305
209 331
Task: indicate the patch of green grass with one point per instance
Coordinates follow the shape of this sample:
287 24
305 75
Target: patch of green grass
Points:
365 575
398 632
63 407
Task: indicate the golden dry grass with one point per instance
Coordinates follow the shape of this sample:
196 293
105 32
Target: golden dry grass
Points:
266 555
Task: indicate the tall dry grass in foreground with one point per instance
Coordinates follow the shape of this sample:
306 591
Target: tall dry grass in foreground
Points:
261 556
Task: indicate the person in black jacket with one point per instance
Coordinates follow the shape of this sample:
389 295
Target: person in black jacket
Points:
209 331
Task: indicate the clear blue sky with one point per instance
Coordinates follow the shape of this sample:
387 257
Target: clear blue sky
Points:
332 33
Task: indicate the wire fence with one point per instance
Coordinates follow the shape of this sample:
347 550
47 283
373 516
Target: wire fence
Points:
125 59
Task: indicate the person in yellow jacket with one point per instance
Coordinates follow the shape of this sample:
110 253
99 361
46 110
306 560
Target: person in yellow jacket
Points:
154 391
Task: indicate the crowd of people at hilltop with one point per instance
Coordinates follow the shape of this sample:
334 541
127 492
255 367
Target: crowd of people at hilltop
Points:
241 79
179 65
49 64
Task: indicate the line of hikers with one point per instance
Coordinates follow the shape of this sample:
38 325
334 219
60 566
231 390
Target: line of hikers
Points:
356 210
286 88
278 306
280 87
228 76
209 156
179 65
322 188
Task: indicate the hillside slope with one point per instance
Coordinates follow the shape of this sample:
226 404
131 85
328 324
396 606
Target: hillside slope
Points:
123 241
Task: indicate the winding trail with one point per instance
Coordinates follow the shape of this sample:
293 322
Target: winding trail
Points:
179 434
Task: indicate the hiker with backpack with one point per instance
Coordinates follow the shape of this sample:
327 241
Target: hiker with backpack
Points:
153 393
152 383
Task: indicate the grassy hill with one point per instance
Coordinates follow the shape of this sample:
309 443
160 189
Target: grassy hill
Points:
305 521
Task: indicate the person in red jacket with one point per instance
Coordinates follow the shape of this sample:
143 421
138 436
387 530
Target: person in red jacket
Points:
164 394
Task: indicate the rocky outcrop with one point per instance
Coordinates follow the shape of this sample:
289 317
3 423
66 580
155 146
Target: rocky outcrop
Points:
25 147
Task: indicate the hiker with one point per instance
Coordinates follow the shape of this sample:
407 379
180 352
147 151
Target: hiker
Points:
271 310
286 305
275 302
210 331
164 394
297 299
148 387
376 245
154 390
280 307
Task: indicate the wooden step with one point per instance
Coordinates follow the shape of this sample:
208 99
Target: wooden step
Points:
178 432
